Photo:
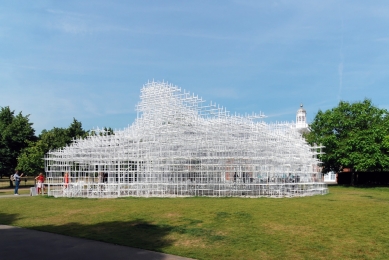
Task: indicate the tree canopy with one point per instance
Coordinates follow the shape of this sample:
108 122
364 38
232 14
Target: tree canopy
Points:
355 136
15 134
21 149
31 158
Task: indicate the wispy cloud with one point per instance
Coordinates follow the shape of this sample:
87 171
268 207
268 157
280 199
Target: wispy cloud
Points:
80 23
74 22
65 13
382 39
88 60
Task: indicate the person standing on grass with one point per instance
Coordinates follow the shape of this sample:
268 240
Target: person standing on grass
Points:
17 181
66 179
40 180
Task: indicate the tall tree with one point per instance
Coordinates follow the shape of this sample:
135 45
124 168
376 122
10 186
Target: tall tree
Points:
55 138
355 136
75 130
31 159
15 133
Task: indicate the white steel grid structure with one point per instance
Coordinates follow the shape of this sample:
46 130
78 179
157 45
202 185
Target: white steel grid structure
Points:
178 146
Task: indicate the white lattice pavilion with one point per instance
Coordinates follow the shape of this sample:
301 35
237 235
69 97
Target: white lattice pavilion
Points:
179 146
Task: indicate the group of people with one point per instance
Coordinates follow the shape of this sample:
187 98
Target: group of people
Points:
40 179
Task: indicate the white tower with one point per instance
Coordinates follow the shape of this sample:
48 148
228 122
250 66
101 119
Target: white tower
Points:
301 119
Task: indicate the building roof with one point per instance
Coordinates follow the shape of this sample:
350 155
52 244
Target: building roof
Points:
301 109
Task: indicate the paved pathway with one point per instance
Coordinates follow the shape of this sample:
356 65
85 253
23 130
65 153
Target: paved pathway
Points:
19 243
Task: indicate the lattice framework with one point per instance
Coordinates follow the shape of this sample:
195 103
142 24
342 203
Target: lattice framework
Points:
179 146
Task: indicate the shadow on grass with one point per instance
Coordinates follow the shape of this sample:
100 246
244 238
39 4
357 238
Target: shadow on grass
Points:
138 233
7 219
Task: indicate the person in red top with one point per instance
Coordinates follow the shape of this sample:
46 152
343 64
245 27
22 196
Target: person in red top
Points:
66 179
41 179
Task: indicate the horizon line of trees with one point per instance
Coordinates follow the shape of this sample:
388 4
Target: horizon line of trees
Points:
21 149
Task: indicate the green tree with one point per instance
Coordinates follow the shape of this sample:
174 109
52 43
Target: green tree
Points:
31 159
385 143
75 130
15 133
55 138
355 136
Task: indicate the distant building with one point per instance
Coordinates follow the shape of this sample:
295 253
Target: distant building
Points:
330 177
301 120
302 127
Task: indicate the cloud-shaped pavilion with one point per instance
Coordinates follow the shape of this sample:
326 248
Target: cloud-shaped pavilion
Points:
179 146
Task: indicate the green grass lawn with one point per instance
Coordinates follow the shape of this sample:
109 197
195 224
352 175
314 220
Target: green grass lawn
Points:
348 223
21 191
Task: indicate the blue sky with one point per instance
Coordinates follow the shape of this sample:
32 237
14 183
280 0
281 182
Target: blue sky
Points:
89 59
